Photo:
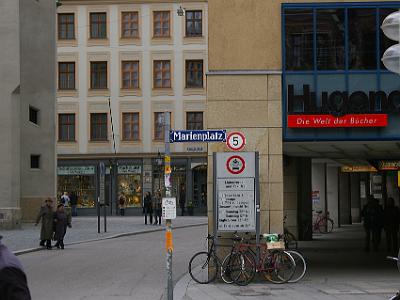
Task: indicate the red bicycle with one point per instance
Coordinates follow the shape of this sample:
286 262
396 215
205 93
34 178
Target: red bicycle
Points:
322 223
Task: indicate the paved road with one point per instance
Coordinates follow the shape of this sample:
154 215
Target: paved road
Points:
123 268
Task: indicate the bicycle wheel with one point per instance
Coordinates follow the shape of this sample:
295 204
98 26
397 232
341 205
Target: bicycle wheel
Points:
322 226
329 225
203 267
301 266
226 269
243 268
290 241
279 267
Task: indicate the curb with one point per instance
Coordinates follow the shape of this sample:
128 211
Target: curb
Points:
125 234
181 286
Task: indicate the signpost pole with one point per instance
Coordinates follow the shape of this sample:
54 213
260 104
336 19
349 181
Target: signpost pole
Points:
168 222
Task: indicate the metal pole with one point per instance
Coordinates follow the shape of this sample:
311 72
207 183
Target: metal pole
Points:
98 214
168 222
105 217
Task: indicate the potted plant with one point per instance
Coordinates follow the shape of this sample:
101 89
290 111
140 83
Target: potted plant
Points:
190 208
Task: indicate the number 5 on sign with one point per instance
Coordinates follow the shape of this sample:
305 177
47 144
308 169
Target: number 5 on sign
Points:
236 141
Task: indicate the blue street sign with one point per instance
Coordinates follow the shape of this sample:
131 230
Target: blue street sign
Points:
205 136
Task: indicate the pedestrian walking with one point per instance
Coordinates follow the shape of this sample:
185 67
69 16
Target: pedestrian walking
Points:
122 204
13 282
391 225
372 214
148 209
65 199
73 200
182 199
157 206
62 220
46 215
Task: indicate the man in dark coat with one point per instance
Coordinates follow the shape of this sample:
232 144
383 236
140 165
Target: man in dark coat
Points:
148 209
73 200
182 199
62 220
46 231
391 225
13 283
372 214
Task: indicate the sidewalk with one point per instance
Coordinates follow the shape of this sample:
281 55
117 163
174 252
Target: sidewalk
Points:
337 268
85 229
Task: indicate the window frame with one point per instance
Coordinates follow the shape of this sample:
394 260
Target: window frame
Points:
67 72
131 124
69 123
60 23
122 36
163 71
36 111
162 21
35 156
131 72
98 74
155 123
193 20
99 123
195 71
97 23
195 113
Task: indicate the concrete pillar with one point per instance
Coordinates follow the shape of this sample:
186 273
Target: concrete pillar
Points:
333 193
304 201
344 199
355 197
290 193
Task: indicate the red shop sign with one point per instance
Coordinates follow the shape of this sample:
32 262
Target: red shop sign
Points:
329 121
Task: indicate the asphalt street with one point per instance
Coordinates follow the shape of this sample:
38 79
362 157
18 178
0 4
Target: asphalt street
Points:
124 268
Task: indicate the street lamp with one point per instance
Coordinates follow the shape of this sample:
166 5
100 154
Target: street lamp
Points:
391 28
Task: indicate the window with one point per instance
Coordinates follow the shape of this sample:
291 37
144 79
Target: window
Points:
33 115
130 74
130 24
35 161
299 39
98 75
66 75
194 73
66 127
194 23
194 120
159 126
66 26
162 74
98 127
161 25
98 25
130 131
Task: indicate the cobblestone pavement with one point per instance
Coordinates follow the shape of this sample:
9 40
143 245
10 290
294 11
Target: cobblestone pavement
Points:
85 228
337 268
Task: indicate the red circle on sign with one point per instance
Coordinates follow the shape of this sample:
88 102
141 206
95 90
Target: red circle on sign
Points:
235 169
232 147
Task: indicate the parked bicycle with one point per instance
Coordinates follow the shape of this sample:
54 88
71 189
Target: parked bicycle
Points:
276 265
301 266
396 259
323 223
205 265
288 237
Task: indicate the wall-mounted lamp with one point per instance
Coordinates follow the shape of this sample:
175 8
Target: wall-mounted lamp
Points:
180 11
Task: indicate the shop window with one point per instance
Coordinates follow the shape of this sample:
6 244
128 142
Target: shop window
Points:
194 73
130 24
66 127
98 25
194 23
362 39
299 39
330 39
35 161
34 115
130 74
161 25
130 185
66 26
66 75
159 126
98 75
194 120
98 127
130 130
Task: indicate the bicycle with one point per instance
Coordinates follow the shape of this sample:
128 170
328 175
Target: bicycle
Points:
396 259
301 266
288 237
322 223
277 265
203 266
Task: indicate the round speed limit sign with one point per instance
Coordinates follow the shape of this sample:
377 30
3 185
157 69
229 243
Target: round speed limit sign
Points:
236 141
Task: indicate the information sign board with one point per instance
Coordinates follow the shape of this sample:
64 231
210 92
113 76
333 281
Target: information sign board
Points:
169 208
180 136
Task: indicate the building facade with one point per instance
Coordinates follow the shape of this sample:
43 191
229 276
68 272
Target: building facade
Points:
27 72
121 65
303 80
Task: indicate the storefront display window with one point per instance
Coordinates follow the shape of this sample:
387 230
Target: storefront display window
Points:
130 184
78 179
